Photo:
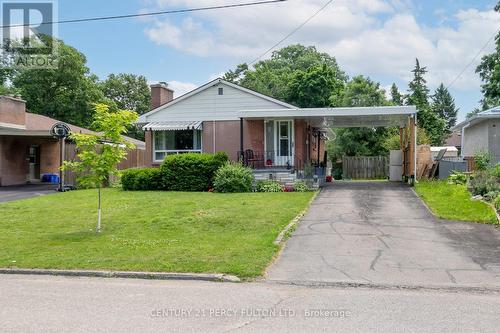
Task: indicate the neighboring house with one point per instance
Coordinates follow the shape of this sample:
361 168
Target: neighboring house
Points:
263 131
27 149
455 140
481 133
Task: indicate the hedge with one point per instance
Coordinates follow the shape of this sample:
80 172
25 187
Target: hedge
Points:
191 172
148 179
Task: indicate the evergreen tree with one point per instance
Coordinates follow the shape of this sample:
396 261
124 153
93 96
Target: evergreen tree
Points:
396 97
443 105
489 71
418 95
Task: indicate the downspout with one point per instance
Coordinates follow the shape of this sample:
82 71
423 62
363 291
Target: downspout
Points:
462 140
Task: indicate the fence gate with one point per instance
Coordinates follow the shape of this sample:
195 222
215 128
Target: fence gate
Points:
365 167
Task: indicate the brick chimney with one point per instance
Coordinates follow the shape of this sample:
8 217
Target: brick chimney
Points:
160 94
12 111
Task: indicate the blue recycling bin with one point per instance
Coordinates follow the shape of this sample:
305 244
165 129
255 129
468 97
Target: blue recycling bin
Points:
50 178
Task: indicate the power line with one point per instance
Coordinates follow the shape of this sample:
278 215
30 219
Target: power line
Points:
292 32
177 11
472 61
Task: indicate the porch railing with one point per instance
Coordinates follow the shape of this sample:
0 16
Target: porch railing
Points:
270 160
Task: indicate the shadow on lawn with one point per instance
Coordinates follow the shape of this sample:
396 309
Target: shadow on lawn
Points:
76 236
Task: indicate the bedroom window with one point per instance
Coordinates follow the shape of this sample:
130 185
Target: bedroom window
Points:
176 142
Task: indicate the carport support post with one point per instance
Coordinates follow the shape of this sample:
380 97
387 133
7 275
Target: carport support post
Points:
61 161
413 148
241 140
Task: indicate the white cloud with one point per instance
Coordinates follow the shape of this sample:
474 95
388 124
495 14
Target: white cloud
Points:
180 88
371 37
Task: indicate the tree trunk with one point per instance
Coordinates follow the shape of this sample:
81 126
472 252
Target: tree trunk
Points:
99 210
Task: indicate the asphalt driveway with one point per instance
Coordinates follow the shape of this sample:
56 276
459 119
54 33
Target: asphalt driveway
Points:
11 193
381 233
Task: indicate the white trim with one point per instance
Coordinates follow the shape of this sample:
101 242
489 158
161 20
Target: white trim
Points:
291 142
480 117
329 112
196 133
143 118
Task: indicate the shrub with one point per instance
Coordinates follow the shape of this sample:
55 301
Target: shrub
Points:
483 182
233 178
482 160
148 179
497 203
300 186
495 171
457 178
269 186
191 172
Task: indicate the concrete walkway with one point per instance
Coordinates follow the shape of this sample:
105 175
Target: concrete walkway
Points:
381 233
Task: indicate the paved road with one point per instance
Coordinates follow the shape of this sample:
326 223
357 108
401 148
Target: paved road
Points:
11 193
380 232
57 304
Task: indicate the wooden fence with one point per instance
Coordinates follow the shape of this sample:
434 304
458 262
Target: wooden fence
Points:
135 159
365 167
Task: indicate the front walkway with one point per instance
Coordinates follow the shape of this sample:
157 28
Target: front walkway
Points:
381 233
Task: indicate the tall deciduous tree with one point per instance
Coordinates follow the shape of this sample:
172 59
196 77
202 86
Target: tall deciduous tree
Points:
489 71
128 91
360 91
318 86
66 93
443 105
418 95
273 76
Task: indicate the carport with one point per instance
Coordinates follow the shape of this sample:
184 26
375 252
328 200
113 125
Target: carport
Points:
323 119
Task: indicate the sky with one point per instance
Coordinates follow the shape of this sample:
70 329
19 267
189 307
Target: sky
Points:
375 38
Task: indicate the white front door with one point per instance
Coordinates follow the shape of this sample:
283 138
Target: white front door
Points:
284 143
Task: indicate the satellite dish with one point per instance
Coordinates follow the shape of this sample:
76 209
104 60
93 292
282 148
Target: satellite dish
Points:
60 130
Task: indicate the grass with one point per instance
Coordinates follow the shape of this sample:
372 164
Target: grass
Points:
453 202
147 231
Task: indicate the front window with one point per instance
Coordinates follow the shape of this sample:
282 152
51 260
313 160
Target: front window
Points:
176 142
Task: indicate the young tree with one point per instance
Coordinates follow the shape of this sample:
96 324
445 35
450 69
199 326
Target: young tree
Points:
443 105
396 97
489 71
418 95
99 154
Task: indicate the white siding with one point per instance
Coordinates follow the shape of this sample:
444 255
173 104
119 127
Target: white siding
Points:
209 105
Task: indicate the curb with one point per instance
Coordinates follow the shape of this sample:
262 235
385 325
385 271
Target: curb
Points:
123 274
281 236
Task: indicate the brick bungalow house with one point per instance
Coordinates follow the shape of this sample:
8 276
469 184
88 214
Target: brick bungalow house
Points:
27 149
263 131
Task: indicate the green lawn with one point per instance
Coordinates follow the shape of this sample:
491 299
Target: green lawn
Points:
147 231
452 202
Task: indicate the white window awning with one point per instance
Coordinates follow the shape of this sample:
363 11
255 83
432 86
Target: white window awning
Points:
173 125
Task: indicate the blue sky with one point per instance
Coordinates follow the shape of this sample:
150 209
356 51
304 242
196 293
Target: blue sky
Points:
372 37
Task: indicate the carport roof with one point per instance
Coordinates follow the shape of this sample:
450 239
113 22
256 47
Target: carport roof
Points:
377 116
